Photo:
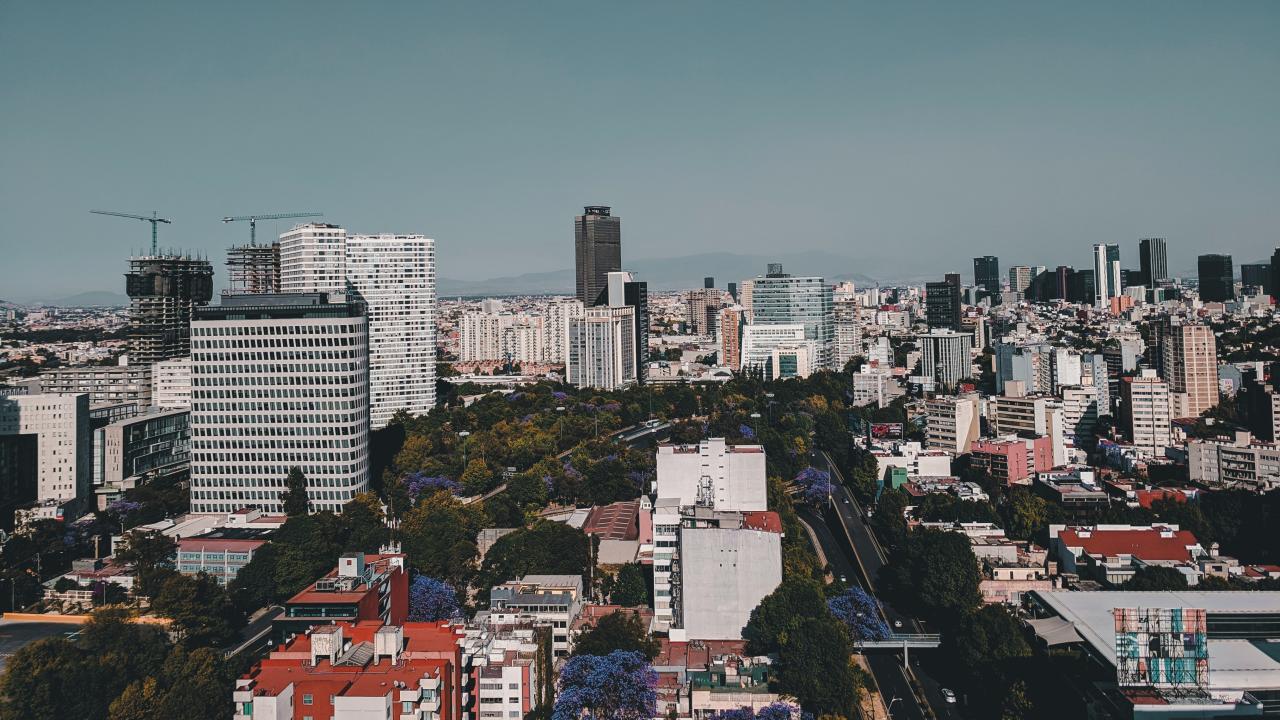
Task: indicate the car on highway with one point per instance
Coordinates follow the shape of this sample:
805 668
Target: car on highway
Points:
947 695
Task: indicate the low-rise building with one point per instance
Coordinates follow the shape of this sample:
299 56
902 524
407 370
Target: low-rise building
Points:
697 680
1240 463
221 553
553 599
363 588
1113 553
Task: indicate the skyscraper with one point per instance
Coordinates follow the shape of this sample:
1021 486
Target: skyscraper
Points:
1101 269
1274 288
1153 261
163 290
1256 276
945 356
278 382
623 290
395 277
1114 282
781 299
986 273
848 330
597 251
602 348
942 302
253 269
1019 278
1217 278
1190 367
313 258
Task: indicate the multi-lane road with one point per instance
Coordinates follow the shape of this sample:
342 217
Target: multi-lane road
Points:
854 552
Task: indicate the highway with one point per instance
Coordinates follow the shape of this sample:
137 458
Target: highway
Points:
852 541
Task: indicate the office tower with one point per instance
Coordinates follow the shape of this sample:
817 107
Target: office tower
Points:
602 348
555 328
730 338
597 251
1190 367
278 382
623 290
162 291
1101 269
253 269
1144 411
733 291
781 299
986 273
313 259
1019 278
171 384
708 283
702 310
133 451
1273 289
945 356
395 277
1114 286
846 316
759 341
1256 277
1063 281
1153 261
46 450
942 304
1217 278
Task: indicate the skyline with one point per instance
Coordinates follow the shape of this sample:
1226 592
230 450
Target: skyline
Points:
945 133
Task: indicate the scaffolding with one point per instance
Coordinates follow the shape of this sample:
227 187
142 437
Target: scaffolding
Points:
162 291
253 269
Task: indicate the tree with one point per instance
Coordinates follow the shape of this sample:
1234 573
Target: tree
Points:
1156 577
629 586
617 686
1017 706
814 667
1025 513
620 630
546 548
860 612
794 600
294 498
934 574
431 600
477 478
201 612
773 711
989 637
439 536
151 554
365 525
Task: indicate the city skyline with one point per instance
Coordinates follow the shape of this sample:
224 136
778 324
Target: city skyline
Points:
1066 129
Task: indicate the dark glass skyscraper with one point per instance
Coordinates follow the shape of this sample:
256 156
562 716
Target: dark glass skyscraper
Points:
1257 275
986 273
1274 289
1217 278
1152 261
597 251
942 305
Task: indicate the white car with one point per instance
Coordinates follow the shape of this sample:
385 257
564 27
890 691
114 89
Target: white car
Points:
948 695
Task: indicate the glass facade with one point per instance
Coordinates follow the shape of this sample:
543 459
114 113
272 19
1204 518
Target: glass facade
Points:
779 299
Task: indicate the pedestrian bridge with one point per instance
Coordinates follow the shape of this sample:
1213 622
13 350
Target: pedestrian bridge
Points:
897 641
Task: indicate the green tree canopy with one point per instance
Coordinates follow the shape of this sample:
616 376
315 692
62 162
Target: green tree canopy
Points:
934 575
439 536
294 498
622 630
546 548
796 599
1156 577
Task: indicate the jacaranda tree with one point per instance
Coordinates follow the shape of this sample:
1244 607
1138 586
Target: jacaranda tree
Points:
775 711
617 686
860 612
815 485
431 600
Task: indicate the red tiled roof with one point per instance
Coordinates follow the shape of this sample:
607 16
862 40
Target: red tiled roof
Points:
618 521
1143 544
193 544
765 520
1147 497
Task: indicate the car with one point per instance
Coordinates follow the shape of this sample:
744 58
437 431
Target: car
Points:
846 501
844 579
897 624
948 695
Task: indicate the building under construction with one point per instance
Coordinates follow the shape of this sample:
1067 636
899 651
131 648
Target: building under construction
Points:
162 290
253 269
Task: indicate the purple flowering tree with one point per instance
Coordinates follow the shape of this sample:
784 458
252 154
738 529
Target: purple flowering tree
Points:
617 686
774 711
746 432
418 484
860 612
431 600
815 485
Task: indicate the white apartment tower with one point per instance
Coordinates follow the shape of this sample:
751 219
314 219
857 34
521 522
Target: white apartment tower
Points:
277 382
845 315
1101 273
48 450
313 258
171 384
395 277
555 327
946 356
602 348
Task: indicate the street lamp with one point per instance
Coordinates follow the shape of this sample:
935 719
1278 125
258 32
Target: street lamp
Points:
464 435
559 425
889 709
770 396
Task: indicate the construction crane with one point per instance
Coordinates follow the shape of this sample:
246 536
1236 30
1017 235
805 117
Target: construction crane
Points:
153 220
253 221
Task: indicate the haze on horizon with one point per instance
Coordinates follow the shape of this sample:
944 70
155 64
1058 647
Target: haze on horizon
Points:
916 134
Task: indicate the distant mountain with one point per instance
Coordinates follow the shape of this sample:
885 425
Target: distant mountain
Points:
679 273
90 299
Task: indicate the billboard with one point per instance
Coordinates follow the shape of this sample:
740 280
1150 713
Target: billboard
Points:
886 431
1161 647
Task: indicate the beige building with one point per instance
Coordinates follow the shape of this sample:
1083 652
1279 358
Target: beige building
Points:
1144 411
1190 368
952 423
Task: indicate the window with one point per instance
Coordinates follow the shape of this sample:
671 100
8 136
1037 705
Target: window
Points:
306 699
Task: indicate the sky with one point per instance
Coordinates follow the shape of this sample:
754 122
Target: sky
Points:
908 136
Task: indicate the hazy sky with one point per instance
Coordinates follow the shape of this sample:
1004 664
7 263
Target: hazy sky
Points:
926 132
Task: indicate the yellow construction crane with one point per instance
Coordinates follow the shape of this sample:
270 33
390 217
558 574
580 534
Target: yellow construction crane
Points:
253 221
153 220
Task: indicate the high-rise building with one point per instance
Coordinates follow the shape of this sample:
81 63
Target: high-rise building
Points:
945 356
846 314
1115 283
1063 283
46 450
1144 411
730 337
278 382
163 290
1256 277
746 293
555 328
1217 278
702 310
623 290
1274 288
986 273
1101 271
171 384
253 269
1153 261
708 283
597 251
733 291
1019 278
602 348
395 277
782 299
952 423
759 341
942 303
313 258
1190 368
480 336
